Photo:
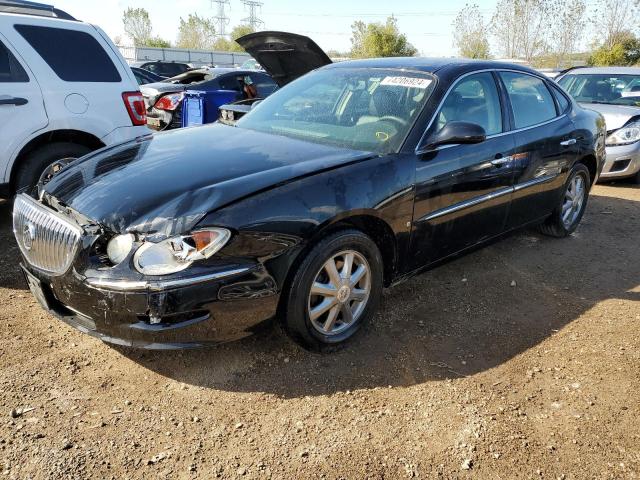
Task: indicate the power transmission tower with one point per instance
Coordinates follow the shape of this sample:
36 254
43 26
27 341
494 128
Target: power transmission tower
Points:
221 16
252 19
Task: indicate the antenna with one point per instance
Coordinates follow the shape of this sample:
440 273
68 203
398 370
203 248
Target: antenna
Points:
221 16
252 19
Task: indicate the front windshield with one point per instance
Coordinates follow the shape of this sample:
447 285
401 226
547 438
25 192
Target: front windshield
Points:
361 109
603 88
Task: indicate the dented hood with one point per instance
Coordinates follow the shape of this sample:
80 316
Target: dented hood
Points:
284 56
164 184
615 116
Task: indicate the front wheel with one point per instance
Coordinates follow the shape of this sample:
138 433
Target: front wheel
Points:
567 215
334 291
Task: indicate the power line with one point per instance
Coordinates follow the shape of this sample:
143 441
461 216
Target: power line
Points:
221 16
253 20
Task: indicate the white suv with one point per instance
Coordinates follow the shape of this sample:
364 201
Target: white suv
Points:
65 91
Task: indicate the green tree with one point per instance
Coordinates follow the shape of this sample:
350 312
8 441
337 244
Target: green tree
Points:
379 40
470 33
196 33
158 43
624 52
137 25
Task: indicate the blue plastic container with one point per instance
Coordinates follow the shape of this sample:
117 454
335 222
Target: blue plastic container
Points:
199 107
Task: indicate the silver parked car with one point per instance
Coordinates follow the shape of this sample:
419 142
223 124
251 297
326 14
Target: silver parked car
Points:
615 93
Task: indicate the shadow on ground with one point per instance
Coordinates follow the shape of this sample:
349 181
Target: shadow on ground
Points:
435 326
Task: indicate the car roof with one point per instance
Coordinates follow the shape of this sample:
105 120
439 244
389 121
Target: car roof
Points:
429 65
605 70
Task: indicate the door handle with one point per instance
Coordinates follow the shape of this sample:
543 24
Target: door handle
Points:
17 101
500 160
568 143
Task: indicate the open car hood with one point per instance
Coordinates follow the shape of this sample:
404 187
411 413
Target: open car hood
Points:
284 56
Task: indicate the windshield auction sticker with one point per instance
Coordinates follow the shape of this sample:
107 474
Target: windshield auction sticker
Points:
409 82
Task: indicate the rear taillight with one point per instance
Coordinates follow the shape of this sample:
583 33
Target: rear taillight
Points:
169 102
134 101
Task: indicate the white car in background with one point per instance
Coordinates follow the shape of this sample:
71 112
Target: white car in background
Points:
615 93
65 90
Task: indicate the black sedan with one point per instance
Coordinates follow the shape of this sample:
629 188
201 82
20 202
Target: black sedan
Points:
351 178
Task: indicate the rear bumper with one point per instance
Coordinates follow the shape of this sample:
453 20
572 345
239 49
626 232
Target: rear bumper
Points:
621 162
185 313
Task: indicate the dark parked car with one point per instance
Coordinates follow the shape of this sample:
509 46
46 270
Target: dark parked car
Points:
285 56
351 178
163 69
144 77
164 100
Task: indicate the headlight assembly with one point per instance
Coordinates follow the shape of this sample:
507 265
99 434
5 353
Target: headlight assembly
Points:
177 253
624 136
119 247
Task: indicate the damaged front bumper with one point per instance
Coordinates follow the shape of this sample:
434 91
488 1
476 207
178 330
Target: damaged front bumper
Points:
188 312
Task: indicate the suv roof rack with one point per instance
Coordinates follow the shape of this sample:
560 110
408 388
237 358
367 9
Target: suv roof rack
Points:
32 8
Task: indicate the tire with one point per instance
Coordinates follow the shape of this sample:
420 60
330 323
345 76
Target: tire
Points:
332 329
555 225
34 164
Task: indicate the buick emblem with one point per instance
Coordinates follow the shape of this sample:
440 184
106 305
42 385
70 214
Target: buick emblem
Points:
28 235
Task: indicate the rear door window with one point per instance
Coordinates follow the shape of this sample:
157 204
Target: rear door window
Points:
230 82
264 84
474 99
74 56
531 100
10 70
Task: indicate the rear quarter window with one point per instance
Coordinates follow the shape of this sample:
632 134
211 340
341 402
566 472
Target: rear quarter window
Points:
10 70
74 56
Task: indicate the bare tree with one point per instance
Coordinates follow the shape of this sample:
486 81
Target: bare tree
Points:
519 27
470 33
137 25
613 19
567 21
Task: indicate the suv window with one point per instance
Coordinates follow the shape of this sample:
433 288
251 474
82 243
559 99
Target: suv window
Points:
474 99
531 100
74 56
10 70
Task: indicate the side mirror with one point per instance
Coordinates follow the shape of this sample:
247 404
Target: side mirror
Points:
454 133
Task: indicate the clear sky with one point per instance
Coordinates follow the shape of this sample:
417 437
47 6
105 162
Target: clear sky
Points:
427 23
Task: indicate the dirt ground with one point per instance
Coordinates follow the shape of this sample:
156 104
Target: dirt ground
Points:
463 374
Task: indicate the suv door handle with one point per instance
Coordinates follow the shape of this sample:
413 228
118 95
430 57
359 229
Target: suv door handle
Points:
568 143
17 101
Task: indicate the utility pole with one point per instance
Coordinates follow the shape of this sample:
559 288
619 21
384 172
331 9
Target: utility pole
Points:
221 16
252 19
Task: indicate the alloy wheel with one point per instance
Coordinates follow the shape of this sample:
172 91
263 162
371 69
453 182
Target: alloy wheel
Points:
340 293
573 201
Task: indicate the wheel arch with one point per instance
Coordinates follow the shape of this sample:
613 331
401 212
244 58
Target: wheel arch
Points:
591 163
69 135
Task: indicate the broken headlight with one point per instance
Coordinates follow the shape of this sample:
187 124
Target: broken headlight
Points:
119 247
624 136
177 253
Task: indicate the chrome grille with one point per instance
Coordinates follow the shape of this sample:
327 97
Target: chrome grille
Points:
47 239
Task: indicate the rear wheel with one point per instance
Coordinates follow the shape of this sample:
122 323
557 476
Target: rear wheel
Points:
568 214
334 291
46 158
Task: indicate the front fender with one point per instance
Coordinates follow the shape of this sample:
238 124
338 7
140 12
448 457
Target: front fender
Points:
274 226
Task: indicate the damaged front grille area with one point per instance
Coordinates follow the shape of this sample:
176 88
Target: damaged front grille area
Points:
47 240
